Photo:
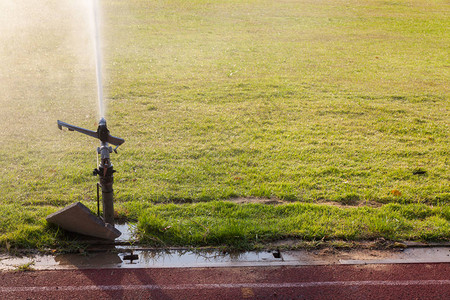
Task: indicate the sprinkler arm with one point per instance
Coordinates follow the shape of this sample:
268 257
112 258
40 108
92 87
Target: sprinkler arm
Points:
102 132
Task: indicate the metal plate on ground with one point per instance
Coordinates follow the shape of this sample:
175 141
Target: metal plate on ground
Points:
78 218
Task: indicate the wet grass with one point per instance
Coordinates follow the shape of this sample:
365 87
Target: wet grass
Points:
303 101
243 226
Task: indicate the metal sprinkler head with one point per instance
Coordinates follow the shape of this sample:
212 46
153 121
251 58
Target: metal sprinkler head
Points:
105 169
102 132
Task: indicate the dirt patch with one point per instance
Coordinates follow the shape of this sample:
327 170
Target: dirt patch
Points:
357 254
356 204
247 200
276 201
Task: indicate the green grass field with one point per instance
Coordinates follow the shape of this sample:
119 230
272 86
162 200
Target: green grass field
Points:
313 103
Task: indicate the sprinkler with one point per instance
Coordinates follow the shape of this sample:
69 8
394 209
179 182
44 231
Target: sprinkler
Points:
105 169
77 217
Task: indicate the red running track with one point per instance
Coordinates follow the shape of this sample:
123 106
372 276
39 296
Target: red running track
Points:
397 281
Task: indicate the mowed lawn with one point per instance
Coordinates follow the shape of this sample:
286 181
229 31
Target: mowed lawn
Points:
311 102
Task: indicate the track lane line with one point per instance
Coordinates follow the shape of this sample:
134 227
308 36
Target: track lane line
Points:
222 286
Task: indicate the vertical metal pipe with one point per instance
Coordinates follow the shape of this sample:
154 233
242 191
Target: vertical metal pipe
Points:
106 183
98 199
105 173
108 207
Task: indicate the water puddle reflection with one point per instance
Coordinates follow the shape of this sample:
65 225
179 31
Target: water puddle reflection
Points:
128 231
183 258
132 257
135 257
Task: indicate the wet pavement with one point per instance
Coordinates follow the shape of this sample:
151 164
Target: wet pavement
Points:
135 257
125 254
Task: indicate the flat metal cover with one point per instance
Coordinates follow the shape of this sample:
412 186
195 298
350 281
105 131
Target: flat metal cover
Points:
78 218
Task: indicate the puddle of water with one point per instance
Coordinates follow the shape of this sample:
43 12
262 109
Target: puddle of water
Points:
121 257
133 257
179 258
128 231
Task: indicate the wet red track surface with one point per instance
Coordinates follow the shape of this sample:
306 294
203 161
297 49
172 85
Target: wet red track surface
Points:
397 281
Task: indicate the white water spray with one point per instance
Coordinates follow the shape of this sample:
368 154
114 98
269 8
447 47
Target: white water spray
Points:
98 57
